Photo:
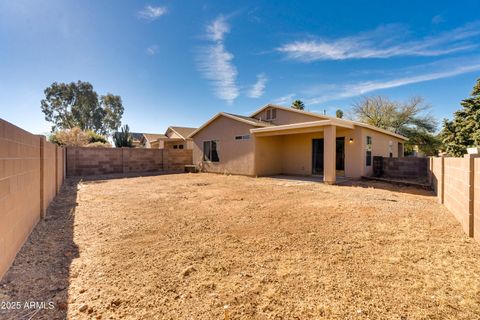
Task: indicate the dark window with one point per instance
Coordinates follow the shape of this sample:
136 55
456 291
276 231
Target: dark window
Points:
369 151
210 151
238 137
369 158
180 146
245 137
175 146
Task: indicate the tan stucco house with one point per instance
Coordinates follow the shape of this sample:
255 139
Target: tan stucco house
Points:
174 138
278 140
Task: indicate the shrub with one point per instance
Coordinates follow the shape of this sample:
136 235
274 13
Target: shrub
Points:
99 145
74 137
95 137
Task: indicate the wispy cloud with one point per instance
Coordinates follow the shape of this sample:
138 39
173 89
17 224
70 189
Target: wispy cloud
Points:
364 87
383 42
215 62
217 29
152 50
258 89
151 13
287 99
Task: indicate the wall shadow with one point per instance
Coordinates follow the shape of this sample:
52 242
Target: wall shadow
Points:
103 177
390 186
40 275
347 182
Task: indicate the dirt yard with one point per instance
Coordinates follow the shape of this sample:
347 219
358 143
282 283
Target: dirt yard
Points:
204 246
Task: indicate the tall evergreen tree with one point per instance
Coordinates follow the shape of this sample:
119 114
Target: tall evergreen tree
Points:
464 130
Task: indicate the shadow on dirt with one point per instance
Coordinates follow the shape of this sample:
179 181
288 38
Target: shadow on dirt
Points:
36 285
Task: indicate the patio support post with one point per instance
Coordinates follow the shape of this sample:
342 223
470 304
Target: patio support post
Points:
329 154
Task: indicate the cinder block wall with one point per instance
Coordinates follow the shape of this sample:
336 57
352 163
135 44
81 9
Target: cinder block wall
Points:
25 188
176 159
456 193
435 174
405 167
476 200
98 161
456 182
49 166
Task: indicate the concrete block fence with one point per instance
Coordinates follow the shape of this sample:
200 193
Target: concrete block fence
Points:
456 182
32 171
99 161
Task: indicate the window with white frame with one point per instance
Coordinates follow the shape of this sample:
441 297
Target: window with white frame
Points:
271 114
210 151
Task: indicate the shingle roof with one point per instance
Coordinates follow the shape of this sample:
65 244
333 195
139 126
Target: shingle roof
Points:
136 135
183 131
250 119
153 136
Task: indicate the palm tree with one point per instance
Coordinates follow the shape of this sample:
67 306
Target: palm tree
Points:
298 104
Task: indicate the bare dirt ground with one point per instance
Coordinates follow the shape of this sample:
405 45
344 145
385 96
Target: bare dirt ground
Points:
200 246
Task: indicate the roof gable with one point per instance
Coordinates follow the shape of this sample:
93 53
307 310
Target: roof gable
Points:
236 117
325 117
321 116
181 132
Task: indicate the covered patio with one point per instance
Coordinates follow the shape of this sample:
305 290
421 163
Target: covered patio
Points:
325 148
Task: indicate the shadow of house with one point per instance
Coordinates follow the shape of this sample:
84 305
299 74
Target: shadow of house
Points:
40 275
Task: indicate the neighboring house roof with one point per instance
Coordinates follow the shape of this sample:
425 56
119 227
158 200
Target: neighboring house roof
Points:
183 132
136 135
153 136
244 119
321 116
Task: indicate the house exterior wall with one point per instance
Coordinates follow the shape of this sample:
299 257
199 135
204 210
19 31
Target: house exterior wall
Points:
286 117
170 144
295 153
380 147
268 155
236 156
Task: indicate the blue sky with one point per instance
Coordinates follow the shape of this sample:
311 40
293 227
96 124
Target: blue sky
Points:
180 62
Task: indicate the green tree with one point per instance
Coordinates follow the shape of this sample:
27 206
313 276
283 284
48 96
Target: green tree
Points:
410 119
464 130
123 138
298 104
76 104
339 113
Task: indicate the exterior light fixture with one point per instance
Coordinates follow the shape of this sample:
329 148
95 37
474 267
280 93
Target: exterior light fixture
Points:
351 140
